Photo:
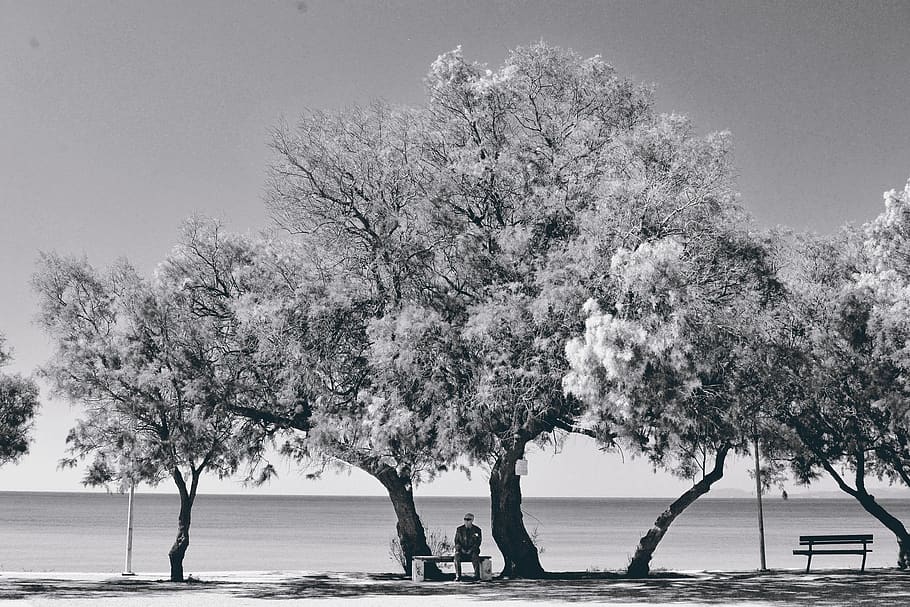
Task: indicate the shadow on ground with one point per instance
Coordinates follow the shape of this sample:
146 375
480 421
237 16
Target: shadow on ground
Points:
873 588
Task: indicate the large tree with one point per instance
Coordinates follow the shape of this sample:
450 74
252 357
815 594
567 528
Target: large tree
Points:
150 380
18 404
499 205
519 154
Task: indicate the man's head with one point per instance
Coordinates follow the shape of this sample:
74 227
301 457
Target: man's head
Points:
468 519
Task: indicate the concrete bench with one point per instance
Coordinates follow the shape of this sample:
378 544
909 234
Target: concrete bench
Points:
418 565
827 541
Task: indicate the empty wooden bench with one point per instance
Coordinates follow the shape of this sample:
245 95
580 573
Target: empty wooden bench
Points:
418 564
829 545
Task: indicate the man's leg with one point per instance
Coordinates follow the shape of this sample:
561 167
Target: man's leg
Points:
475 560
457 566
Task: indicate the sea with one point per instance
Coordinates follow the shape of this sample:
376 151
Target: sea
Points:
86 532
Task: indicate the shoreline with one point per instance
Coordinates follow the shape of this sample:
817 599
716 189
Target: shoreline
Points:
775 587
889 493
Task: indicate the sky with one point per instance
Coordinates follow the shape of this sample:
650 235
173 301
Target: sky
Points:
118 120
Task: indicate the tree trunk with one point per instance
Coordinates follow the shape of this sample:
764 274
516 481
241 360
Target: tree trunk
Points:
896 527
869 504
178 550
640 565
411 533
520 553
860 493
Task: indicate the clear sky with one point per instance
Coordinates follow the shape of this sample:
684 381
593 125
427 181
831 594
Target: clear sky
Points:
120 119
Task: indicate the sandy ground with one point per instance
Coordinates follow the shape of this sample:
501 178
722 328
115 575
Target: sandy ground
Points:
872 588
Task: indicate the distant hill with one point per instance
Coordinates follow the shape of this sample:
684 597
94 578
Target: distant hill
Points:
882 493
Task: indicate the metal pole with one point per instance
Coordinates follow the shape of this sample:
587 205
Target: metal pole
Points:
128 569
761 518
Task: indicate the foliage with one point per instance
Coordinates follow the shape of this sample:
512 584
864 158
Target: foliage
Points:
666 356
18 405
352 189
361 387
438 541
148 376
848 391
519 153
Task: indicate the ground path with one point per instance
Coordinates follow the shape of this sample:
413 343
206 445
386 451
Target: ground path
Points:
872 588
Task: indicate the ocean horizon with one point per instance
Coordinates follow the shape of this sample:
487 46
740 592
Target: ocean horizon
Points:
86 532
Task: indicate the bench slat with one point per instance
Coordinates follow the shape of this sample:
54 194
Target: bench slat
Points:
444 558
835 539
828 551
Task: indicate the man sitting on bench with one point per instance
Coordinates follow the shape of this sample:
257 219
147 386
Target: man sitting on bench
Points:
467 546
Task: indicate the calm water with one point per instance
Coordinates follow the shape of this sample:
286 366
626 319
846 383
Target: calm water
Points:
86 531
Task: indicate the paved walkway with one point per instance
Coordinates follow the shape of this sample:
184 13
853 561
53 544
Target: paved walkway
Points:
873 588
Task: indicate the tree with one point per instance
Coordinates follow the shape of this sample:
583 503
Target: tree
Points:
677 285
18 404
670 370
844 344
519 154
356 380
150 380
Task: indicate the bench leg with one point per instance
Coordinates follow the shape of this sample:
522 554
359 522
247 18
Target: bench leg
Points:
417 570
486 570
863 566
808 562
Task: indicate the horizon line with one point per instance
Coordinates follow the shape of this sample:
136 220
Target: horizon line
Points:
729 494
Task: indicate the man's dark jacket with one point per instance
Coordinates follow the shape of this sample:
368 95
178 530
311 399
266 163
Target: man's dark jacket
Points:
468 540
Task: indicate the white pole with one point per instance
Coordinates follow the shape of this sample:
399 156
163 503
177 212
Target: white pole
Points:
761 518
128 569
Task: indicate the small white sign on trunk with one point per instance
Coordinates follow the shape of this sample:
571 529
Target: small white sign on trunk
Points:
521 467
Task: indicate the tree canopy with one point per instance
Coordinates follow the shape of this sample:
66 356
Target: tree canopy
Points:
18 405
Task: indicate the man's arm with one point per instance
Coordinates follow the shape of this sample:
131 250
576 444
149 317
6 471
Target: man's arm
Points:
458 539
